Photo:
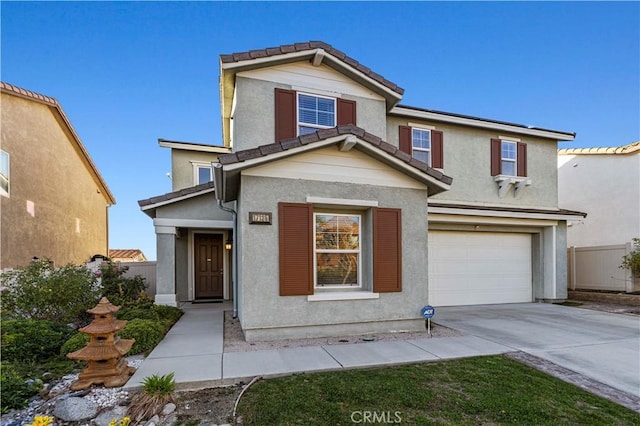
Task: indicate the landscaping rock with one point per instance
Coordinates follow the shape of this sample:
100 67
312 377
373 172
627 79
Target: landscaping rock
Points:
153 421
116 413
170 420
75 409
168 409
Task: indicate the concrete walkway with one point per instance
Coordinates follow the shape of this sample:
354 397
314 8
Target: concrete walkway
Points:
194 351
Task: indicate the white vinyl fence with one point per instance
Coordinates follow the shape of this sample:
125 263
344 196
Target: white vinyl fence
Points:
598 268
146 270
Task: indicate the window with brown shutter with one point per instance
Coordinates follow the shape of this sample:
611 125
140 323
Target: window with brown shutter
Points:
346 112
522 159
285 114
437 157
496 146
295 223
387 250
428 149
405 139
508 158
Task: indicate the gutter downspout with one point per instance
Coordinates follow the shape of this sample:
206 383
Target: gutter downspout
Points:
218 187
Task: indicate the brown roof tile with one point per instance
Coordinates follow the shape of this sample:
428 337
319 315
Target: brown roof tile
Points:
301 47
177 194
266 150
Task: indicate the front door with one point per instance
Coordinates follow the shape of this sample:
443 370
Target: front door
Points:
208 266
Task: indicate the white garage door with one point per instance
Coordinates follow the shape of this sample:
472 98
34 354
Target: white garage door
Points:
474 268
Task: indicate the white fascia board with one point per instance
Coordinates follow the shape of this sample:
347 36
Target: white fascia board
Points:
194 147
342 202
481 123
175 200
192 223
499 213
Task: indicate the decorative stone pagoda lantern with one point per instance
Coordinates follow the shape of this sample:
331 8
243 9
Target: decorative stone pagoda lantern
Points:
104 351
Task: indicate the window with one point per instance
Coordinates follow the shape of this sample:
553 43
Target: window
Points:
301 113
337 250
423 144
315 112
4 173
325 250
201 172
508 158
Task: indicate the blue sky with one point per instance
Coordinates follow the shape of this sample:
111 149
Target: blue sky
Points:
127 74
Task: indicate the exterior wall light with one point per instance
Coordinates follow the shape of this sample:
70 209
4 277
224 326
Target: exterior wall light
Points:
228 244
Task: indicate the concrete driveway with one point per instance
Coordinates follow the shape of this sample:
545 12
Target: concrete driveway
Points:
599 345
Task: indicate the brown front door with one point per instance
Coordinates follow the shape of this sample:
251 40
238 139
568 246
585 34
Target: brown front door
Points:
208 266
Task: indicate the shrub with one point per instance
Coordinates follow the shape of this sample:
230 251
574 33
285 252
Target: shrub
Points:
16 391
147 333
169 313
43 292
29 340
120 290
74 343
631 261
138 313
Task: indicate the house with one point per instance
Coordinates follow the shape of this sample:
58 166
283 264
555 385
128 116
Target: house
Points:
346 212
54 201
587 177
127 255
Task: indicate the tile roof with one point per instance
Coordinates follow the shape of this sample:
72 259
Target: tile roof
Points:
507 209
310 45
192 190
266 150
52 102
626 149
126 254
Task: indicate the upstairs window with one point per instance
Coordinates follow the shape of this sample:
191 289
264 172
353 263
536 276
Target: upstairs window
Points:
4 173
301 113
508 158
423 144
201 172
315 112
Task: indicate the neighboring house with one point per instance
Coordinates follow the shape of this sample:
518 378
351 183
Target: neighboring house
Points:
347 212
604 182
127 255
54 201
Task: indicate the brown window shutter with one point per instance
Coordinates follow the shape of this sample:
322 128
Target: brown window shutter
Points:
437 157
405 139
496 156
285 120
522 159
387 250
296 248
346 112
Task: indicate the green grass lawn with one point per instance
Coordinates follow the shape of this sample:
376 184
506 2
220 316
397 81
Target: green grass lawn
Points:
472 391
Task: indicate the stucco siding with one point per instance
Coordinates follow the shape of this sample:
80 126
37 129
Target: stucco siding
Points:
262 307
467 158
182 169
55 209
254 119
607 188
203 207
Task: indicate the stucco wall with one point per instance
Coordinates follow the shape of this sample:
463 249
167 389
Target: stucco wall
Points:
182 174
254 119
69 220
264 311
607 188
203 207
467 158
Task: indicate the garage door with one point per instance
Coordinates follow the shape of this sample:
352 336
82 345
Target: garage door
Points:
474 268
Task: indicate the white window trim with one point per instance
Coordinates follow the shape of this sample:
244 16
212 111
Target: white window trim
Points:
7 177
342 295
316 251
511 160
196 166
429 150
315 126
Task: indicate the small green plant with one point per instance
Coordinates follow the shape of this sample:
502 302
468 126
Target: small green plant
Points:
169 313
147 334
157 391
16 391
631 261
30 340
137 313
121 290
42 292
74 343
